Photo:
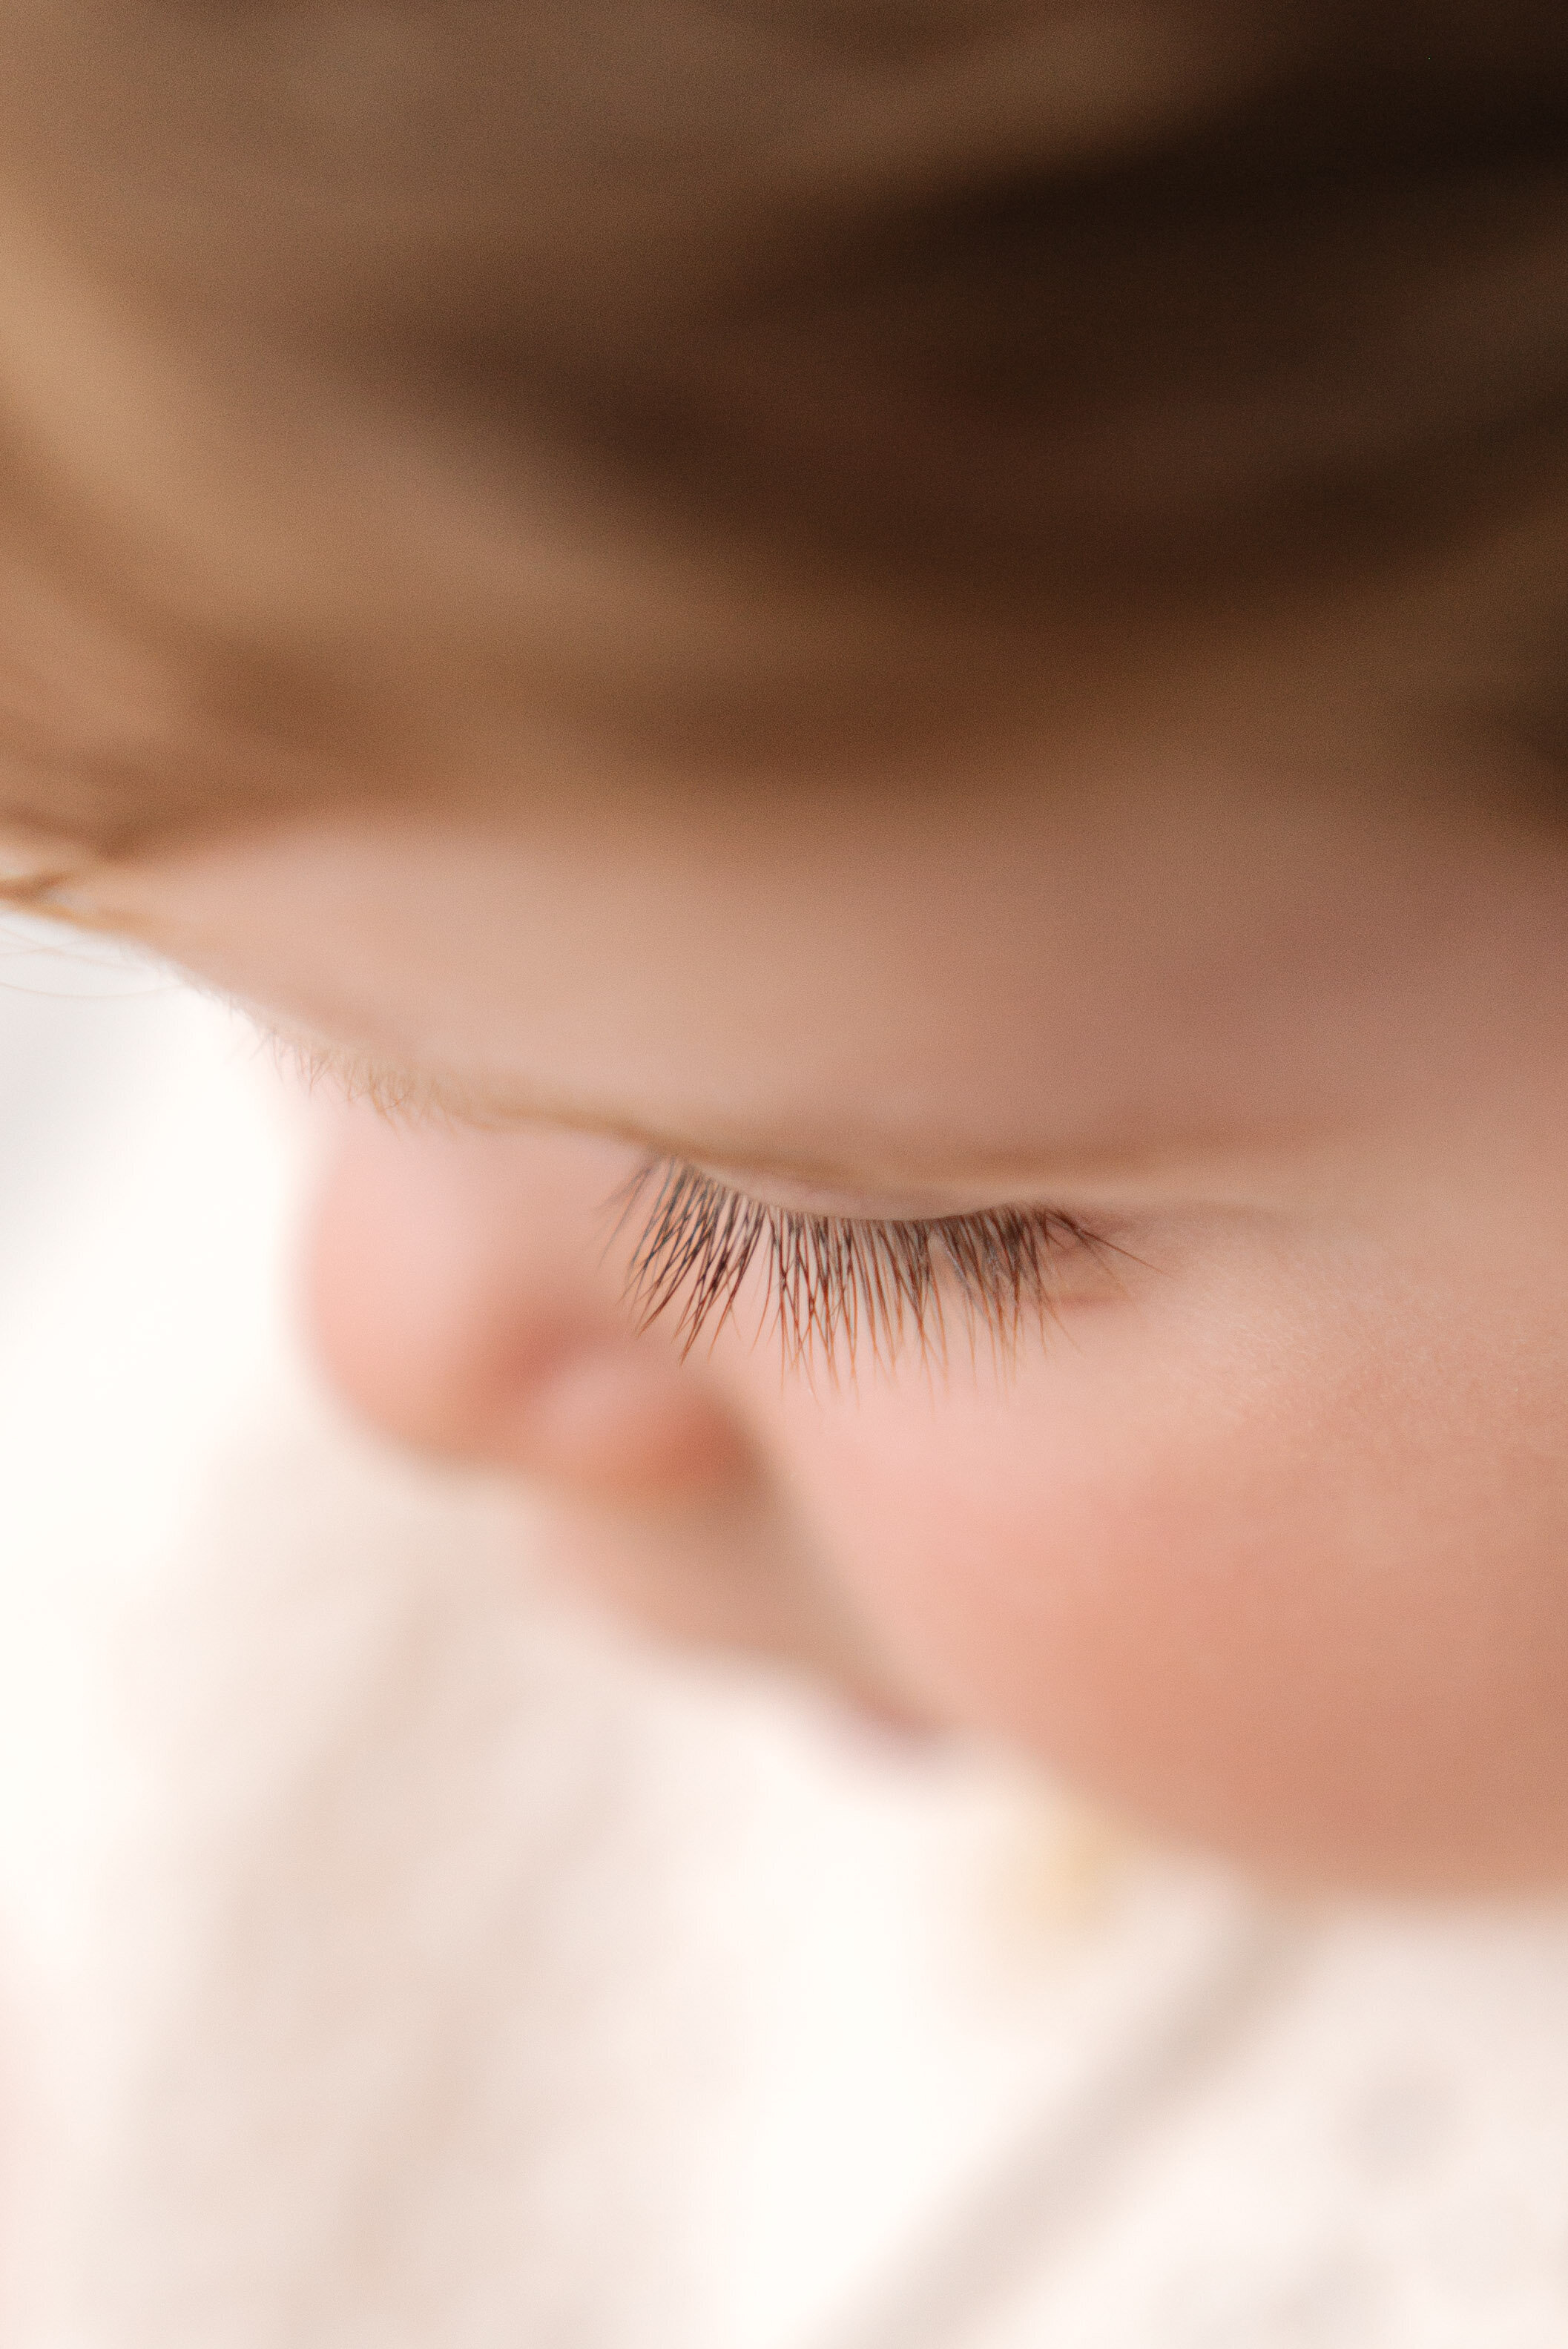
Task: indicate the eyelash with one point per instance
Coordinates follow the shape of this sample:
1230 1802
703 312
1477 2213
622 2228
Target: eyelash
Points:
836 1283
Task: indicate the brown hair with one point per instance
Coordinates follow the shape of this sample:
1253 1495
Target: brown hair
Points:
363 357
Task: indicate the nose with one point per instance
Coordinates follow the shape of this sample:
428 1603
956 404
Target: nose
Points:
463 1297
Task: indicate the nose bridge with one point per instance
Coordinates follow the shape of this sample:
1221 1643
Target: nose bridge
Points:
460 1248
528 1227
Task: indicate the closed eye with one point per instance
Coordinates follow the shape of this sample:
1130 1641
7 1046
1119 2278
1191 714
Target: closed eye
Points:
834 1284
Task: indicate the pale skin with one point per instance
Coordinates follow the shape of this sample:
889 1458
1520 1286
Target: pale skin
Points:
1262 1536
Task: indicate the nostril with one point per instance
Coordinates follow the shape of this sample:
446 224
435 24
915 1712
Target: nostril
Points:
618 1420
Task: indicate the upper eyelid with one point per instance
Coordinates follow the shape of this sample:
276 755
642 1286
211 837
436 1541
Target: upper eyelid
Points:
837 1280
872 1221
409 1095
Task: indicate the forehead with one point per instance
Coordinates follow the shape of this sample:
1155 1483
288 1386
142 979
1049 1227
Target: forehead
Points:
961 987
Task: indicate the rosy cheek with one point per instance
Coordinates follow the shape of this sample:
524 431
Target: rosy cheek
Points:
1038 1564
1252 1592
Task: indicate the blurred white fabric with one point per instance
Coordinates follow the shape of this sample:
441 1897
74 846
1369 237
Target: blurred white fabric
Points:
393 1959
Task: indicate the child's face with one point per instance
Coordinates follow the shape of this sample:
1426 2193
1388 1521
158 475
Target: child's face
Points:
1264 1533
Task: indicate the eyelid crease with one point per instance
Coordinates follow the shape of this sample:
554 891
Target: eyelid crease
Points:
835 1283
410 1096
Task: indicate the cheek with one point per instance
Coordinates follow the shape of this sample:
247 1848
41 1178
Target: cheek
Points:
1289 1584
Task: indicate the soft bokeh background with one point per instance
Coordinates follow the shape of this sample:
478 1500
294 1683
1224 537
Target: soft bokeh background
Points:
146 1176
390 1957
